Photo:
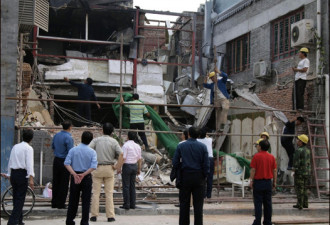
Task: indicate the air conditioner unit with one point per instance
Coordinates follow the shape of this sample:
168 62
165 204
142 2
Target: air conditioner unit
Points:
302 33
33 13
260 69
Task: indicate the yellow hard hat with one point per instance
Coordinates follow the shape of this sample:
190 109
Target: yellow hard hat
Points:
212 74
265 133
257 142
304 50
303 138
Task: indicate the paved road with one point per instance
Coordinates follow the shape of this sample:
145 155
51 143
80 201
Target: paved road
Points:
164 220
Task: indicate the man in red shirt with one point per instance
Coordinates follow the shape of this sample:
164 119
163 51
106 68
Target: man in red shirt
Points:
263 170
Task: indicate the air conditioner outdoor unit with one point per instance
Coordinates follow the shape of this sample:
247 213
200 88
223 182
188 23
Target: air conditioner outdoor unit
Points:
302 33
260 69
33 13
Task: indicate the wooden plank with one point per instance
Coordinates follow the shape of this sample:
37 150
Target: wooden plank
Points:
247 141
235 140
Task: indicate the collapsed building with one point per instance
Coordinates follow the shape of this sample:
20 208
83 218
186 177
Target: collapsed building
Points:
165 63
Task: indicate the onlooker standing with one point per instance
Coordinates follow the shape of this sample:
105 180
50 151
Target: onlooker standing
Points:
131 168
136 117
107 150
195 167
20 169
86 93
80 162
219 97
208 142
300 79
286 141
302 170
263 170
62 143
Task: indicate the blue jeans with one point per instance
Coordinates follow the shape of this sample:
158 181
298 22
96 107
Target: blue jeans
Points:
262 195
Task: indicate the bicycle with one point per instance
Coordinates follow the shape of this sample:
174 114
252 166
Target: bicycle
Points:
7 200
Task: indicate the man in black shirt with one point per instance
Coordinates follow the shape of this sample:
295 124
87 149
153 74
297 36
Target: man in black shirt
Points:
195 167
286 141
86 93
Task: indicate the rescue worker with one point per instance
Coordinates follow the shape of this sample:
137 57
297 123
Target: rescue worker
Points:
300 79
302 167
265 136
286 141
219 97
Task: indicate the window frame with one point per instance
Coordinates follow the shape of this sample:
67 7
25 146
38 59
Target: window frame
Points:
278 42
238 63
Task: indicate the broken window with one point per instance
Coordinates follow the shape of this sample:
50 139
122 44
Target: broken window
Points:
238 54
281 35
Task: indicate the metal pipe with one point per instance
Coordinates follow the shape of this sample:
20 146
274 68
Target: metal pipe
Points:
86 27
134 78
193 46
318 30
80 40
121 86
164 28
76 57
41 159
20 77
169 64
152 104
35 30
150 131
326 86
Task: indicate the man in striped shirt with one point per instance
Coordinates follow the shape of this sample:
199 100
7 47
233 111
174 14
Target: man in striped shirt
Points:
136 118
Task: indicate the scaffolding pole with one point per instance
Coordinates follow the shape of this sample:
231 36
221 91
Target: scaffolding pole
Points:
153 104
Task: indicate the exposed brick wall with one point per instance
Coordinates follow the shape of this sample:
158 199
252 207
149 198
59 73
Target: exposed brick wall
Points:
153 39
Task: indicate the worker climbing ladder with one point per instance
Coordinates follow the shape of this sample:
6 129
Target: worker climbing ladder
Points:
320 152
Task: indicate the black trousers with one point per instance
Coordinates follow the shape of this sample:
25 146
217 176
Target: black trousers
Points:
140 126
61 178
192 183
210 179
19 182
128 180
84 110
85 188
287 144
262 195
300 91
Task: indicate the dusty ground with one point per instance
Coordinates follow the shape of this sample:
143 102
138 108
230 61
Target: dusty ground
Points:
166 220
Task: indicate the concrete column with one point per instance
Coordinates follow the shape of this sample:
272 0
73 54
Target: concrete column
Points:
9 38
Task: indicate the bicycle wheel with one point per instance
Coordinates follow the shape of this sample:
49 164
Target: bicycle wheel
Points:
8 205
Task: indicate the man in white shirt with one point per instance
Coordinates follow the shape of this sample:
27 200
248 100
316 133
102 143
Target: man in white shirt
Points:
131 168
300 79
20 169
208 142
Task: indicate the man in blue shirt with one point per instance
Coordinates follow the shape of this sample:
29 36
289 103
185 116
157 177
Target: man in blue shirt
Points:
195 167
219 96
86 93
62 143
80 162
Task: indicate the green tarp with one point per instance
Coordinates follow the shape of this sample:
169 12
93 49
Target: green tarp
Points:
169 141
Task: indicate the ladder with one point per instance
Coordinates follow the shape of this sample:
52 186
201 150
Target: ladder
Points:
318 143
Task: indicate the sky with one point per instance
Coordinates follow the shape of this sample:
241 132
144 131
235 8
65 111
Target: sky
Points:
168 5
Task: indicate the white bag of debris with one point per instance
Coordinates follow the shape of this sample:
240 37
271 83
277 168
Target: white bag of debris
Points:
48 193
